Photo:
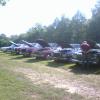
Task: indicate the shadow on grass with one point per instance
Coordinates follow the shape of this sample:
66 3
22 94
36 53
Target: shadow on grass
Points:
18 57
8 53
79 69
11 54
33 60
56 64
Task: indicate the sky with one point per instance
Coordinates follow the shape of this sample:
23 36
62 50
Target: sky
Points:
20 15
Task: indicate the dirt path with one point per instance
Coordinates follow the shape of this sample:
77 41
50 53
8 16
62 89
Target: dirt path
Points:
68 84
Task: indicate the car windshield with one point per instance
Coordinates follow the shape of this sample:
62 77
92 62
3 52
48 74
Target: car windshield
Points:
13 46
36 45
75 45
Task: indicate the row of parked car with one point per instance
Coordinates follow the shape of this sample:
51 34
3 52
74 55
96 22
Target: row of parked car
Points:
57 52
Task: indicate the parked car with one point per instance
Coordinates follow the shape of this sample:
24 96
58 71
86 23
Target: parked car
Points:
44 53
32 47
48 49
91 57
20 48
68 53
10 48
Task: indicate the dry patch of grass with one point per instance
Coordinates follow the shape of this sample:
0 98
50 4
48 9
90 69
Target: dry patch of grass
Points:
72 86
48 80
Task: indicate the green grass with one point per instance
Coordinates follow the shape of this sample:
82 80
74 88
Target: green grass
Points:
12 86
15 86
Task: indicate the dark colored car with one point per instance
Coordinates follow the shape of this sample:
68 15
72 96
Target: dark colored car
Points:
64 55
68 54
91 57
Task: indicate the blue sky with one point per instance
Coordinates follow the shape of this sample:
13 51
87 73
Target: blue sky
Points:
20 15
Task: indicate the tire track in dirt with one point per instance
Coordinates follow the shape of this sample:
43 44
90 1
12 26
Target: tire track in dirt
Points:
68 84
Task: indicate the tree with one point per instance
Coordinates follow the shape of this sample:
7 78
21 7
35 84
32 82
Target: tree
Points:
4 41
63 29
94 24
3 2
35 32
78 27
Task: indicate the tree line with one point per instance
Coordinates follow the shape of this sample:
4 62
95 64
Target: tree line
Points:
62 29
73 30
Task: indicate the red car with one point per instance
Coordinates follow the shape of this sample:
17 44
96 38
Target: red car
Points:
45 53
39 44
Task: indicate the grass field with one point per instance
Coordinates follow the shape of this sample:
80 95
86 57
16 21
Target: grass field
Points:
30 79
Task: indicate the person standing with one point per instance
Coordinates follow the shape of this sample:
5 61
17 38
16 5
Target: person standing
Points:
85 46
